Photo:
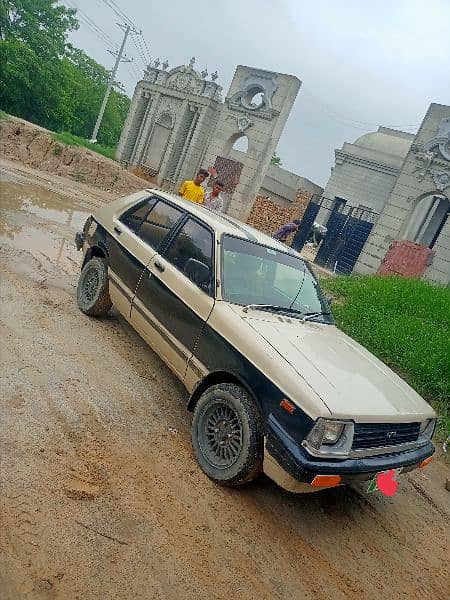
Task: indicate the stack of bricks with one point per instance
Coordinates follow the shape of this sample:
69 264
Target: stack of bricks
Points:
268 217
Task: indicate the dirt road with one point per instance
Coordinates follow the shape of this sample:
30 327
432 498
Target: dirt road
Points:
100 497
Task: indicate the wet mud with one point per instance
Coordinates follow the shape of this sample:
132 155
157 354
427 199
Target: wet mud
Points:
100 495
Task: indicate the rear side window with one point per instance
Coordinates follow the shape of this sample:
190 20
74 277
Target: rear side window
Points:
135 215
157 224
193 241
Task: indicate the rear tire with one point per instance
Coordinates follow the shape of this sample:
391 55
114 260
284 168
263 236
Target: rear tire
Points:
93 289
227 435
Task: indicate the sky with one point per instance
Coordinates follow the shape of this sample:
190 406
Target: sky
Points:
362 64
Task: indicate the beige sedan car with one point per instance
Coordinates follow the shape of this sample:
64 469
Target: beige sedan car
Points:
273 384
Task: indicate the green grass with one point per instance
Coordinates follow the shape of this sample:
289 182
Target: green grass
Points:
405 323
4 116
74 140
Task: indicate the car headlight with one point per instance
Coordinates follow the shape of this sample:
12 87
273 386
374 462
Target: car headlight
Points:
427 428
330 436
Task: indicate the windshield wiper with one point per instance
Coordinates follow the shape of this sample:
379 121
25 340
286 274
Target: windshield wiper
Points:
273 307
312 315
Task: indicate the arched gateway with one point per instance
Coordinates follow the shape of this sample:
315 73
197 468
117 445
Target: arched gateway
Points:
178 123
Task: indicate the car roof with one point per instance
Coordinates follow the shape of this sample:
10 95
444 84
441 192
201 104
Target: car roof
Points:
224 224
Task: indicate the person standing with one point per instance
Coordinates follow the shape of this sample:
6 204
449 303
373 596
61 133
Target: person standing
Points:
192 189
213 199
284 232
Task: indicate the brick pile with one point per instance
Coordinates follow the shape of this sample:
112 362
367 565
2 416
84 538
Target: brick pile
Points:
267 216
406 258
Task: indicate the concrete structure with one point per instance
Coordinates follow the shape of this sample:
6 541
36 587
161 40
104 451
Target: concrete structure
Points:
178 123
418 206
365 171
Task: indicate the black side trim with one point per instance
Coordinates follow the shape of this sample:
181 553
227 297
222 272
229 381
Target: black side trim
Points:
114 279
161 332
297 462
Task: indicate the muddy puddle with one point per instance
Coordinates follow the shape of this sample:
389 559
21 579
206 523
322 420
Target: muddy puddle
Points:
40 222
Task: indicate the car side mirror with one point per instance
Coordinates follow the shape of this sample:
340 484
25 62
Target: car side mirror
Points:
197 272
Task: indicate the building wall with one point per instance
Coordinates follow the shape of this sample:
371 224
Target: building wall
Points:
361 182
439 270
415 182
281 185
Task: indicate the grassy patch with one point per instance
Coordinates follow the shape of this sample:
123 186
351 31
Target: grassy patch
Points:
405 323
4 116
74 140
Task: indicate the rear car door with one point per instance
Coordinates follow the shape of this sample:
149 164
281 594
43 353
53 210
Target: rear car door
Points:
138 233
175 295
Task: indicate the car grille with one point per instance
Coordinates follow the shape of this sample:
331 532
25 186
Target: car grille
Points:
377 435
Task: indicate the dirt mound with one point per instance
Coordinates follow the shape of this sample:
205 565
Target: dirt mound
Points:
35 146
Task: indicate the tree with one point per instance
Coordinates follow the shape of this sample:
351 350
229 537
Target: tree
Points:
46 80
41 24
276 160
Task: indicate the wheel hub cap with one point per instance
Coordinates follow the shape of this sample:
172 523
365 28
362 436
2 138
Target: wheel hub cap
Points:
221 435
90 285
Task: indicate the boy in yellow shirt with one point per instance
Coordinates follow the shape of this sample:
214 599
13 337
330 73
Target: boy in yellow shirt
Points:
192 190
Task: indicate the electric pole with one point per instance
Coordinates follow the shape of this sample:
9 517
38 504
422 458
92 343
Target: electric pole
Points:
126 29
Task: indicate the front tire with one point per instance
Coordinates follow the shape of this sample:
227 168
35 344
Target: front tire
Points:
93 289
227 435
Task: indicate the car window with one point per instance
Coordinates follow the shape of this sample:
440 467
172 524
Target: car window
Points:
191 252
134 216
158 223
256 274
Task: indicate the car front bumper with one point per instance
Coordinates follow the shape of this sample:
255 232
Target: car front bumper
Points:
288 463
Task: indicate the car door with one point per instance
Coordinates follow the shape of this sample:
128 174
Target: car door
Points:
138 233
175 295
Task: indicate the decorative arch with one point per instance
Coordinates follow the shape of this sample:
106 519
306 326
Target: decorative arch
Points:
159 140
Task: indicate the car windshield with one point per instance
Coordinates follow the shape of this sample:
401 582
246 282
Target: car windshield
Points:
253 274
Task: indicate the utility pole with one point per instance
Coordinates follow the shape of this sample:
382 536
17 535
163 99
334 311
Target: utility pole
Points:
126 29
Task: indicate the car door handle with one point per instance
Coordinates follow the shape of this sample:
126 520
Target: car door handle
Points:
159 266
117 230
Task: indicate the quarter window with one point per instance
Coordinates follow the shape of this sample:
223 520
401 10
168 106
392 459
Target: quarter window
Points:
160 220
191 252
135 215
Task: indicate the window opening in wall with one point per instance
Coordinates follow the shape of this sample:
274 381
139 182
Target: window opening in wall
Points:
428 220
241 144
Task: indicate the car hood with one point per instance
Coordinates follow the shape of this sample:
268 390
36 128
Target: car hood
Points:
350 381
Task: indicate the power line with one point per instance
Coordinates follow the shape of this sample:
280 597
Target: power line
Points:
119 12
149 56
139 49
352 123
92 25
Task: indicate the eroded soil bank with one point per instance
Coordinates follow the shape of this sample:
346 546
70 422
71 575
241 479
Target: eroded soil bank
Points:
100 496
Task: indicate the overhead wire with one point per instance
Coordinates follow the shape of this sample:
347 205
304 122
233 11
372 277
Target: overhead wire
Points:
138 38
349 122
139 50
90 23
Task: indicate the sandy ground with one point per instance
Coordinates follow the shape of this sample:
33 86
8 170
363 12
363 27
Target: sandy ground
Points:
100 496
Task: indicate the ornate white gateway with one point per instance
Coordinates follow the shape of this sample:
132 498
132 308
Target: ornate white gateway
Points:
178 123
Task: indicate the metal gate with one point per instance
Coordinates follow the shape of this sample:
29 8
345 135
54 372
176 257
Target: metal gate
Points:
348 228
